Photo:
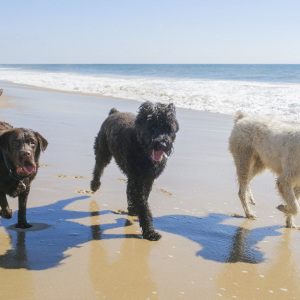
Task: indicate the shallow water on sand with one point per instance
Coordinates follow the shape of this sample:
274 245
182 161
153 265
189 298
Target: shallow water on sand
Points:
80 248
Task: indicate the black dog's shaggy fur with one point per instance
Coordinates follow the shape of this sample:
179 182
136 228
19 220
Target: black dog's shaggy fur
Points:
140 146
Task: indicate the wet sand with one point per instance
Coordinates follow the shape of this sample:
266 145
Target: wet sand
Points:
6 101
80 247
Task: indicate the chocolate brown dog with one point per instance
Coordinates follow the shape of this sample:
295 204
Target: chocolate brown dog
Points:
19 162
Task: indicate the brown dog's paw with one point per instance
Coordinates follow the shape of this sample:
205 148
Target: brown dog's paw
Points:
6 214
23 225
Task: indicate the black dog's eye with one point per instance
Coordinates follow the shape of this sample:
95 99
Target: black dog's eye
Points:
16 143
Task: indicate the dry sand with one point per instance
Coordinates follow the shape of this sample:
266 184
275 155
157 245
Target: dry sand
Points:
80 248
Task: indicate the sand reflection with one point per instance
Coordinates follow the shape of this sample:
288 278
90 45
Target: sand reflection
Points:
219 242
124 274
43 246
277 278
14 258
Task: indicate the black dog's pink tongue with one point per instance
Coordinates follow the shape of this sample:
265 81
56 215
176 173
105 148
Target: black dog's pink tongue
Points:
157 155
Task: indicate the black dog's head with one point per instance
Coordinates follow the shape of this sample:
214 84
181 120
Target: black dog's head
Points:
156 126
21 149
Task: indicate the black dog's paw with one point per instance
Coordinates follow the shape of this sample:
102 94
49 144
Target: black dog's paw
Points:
152 236
132 211
6 214
95 185
23 225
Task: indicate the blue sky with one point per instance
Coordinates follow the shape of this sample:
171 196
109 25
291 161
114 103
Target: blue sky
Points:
152 31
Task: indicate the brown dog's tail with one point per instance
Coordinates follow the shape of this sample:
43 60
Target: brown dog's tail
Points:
239 115
113 111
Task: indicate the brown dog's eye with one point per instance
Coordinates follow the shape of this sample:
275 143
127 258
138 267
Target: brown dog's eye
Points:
16 143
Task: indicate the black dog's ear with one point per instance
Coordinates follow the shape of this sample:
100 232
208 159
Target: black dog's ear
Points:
147 107
43 143
146 110
171 106
172 112
177 126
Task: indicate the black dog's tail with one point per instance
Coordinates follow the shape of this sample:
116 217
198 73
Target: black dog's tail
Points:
113 111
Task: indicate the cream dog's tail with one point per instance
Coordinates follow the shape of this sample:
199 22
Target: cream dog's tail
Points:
239 115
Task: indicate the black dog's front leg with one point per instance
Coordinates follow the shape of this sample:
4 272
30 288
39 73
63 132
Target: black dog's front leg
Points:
22 221
132 209
138 193
6 212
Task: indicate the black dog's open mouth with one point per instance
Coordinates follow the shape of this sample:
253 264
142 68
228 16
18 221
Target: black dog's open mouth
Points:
157 155
27 168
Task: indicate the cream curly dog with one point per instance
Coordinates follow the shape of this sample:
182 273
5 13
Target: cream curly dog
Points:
257 144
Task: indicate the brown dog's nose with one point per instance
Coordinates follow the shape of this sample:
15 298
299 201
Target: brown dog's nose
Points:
25 154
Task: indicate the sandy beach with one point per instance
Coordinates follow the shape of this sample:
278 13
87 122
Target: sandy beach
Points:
80 247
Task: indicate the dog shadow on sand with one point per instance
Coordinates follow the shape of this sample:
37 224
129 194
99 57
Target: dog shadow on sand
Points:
219 242
44 245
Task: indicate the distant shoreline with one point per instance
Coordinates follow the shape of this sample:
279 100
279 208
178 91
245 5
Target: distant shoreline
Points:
271 90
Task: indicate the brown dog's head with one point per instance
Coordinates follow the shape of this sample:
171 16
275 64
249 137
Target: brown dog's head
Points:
21 148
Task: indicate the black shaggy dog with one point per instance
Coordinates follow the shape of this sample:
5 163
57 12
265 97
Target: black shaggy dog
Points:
140 146
19 162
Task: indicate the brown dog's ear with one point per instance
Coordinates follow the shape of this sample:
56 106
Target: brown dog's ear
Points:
43 143
41 146
4 140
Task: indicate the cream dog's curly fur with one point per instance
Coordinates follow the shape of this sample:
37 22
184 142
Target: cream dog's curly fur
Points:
258 143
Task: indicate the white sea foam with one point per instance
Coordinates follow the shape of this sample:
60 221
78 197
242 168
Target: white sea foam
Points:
278 99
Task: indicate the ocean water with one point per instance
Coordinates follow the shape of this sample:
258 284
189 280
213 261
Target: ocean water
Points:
256 89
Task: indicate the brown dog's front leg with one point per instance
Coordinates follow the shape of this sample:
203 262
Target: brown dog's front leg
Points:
22 221
6 212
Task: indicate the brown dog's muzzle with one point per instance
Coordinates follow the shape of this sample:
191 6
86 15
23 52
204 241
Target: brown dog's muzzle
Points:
27 166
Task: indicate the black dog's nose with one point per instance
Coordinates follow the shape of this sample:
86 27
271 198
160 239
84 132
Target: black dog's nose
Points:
160 145
25 154
163 144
